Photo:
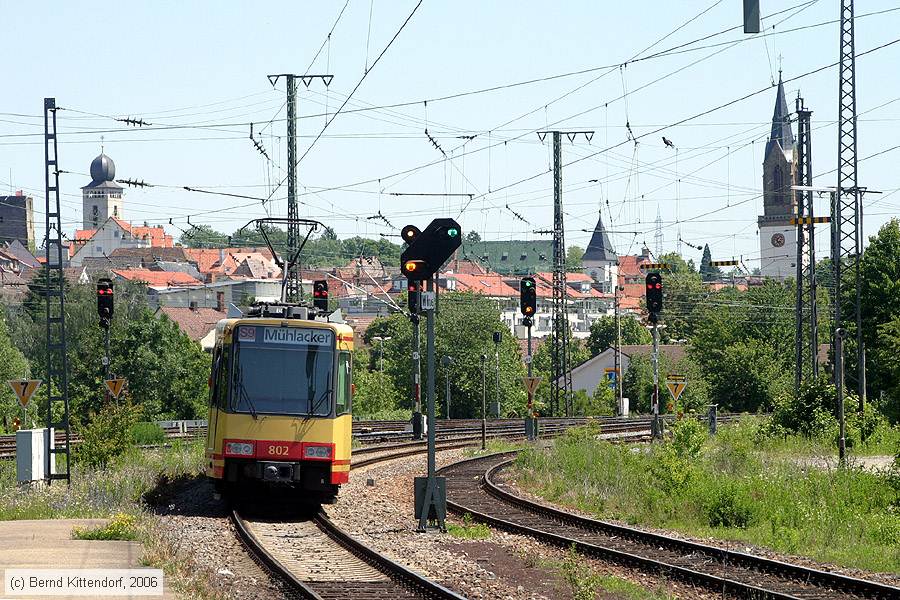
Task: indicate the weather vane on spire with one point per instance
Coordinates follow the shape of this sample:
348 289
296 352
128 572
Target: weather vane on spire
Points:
101 144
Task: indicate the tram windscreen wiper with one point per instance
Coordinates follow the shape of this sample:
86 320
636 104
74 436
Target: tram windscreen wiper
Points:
326 394
239 377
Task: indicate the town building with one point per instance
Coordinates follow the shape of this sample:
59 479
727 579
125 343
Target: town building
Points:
114 234
17 219
600 260
102 197
777 237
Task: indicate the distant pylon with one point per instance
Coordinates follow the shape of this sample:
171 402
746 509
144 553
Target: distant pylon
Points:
658 236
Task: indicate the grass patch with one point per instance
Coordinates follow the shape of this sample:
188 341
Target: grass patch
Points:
145 434
122 526
495 445
585 584
469 530
734 486
99 492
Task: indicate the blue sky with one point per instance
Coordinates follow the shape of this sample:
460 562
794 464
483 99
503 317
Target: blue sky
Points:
202 66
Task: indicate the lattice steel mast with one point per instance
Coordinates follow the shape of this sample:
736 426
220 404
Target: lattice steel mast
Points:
57 382
846 217
294 292
806 315
560 356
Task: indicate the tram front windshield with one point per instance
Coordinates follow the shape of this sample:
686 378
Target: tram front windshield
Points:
283 370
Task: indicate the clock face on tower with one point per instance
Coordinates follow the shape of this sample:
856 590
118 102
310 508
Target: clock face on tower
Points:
778 240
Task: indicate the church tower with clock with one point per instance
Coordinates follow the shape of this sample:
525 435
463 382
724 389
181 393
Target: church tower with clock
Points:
777 237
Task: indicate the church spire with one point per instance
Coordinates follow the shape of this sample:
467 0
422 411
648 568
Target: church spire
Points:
600 248
781 122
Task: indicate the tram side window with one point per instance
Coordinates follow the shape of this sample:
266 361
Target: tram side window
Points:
342 404
221 388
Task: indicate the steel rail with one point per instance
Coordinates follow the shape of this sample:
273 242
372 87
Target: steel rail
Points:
554 516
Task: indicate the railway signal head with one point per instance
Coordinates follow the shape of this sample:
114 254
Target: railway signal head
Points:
412 296
105 300
430 249
409 234
528 296
320 294
654 295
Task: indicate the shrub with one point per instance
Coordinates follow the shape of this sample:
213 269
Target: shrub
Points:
145 433
810 411
108 434
727 504
688 436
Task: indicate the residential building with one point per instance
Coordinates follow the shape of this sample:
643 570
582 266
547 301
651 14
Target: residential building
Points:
591 373
114 234
17 219
509 257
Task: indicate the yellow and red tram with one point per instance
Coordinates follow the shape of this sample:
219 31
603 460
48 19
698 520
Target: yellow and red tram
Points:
280 403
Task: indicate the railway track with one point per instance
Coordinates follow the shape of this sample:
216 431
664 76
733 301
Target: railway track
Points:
388 431
316 559
319 561
471 489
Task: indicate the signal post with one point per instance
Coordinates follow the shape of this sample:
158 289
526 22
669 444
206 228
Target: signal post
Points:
105 301
425 254
654 296
528 306
413 293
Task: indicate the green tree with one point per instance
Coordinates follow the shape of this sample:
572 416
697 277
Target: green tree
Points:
573 259
13 365
707 271
683 291
203 236
167 372
473 237
604 333
638 383
879 291
375 393
886 358
464 327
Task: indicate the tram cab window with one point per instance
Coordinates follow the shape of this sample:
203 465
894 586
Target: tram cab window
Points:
342 389
279 370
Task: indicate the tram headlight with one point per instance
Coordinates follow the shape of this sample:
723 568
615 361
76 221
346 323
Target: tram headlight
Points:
316 452
239 448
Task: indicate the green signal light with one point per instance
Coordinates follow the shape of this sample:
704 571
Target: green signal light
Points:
453 232
528 284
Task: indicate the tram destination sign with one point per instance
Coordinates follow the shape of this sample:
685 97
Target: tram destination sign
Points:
294 336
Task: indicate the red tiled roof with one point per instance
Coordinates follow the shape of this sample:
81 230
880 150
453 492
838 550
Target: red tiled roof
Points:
195 322
466 267
208 259
156 235
490 285
158 278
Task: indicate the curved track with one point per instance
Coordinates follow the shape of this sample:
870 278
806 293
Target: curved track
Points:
471 489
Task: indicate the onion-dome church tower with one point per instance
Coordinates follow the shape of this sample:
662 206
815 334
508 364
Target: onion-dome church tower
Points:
777 237
102 197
